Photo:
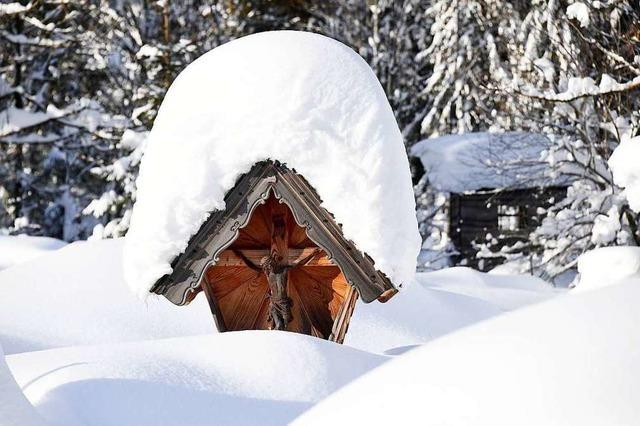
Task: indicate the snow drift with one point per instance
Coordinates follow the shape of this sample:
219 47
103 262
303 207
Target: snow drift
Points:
77 296
316 106
18 249
217 379
130 362
571 361
439 303
15 409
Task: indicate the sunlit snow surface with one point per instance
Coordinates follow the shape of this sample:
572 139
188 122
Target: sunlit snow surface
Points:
246 378
15 409
572 361
626 173
458 347
601 266
77 296
21 248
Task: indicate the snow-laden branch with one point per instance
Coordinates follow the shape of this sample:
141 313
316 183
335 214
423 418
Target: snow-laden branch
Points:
37 41
609 53
578 88
14 8
85 115
14 120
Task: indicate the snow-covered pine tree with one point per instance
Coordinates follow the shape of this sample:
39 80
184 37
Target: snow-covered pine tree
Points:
454 94
80 84
462 33
54 126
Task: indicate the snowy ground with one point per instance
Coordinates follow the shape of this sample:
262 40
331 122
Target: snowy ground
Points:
85 351
572 361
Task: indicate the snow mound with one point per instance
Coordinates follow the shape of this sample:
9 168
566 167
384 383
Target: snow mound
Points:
439 303
580 12
217 379
316 106
626 173
606 265
77 296
15 409
506 292
571 361
21 248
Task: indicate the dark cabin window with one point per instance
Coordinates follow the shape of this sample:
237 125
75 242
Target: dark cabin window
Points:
510 218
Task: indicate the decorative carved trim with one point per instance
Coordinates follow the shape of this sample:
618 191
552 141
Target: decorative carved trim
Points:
251 190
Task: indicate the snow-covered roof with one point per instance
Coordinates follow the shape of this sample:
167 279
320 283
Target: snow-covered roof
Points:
303 99
472 161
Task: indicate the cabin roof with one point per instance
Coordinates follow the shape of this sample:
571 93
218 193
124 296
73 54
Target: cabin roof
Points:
302 99
474 161
222 228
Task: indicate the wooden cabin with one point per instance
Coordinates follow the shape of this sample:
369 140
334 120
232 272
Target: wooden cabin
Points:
275 259
509 215
496 188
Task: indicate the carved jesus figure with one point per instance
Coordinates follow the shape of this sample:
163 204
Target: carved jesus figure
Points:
277 274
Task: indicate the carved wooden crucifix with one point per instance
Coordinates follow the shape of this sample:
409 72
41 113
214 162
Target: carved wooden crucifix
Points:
276 269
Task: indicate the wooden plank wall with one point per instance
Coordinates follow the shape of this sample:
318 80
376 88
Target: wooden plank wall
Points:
473 216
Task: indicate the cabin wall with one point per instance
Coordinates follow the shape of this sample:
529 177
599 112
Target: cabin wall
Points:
510 216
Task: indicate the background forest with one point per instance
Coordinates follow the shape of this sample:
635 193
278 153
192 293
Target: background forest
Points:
81 82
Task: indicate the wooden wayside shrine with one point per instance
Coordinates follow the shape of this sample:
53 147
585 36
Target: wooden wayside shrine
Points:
275 259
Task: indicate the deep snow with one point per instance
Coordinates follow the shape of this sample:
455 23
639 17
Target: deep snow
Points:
242 378
572 361
316 106
437 304
77 296
481 160
427 356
